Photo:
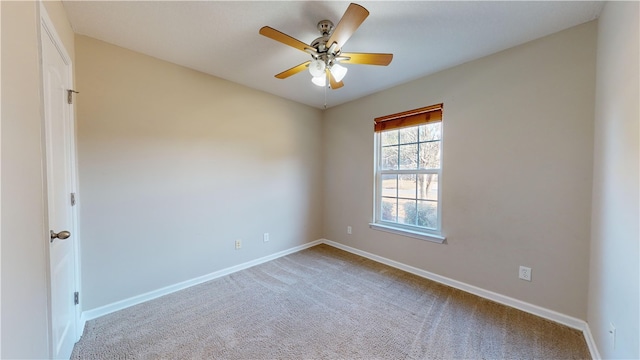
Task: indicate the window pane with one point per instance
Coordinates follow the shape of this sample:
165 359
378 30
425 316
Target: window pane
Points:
389 210
389 137
428 186
406 195
430 155
390 185
389 159
427 214
408 157
407 186
431 131
409 135
407 212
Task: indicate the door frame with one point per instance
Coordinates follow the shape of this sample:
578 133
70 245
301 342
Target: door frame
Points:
47 29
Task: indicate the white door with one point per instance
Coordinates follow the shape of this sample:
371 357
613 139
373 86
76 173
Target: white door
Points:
58 124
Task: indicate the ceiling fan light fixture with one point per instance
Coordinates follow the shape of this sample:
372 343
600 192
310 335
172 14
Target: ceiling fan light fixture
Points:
317 67
338 71
320 80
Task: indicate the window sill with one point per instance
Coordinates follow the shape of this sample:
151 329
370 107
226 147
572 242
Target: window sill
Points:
404 232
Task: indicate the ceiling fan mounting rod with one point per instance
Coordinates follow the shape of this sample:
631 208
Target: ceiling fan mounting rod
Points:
325 27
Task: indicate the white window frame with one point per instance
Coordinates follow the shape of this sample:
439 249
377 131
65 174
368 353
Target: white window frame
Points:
434 235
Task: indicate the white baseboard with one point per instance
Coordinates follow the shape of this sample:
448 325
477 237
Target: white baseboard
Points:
123 304
555 316
591 343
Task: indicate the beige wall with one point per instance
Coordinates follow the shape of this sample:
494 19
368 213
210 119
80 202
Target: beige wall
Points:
518 142
614 276
24 258
175 165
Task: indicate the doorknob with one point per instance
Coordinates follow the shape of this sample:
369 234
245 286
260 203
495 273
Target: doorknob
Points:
61 235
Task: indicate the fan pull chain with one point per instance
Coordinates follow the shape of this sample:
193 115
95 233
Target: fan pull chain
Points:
325 97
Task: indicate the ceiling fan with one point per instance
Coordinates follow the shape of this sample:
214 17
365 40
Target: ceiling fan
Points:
326 51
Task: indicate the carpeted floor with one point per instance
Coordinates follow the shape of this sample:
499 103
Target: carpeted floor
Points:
324 303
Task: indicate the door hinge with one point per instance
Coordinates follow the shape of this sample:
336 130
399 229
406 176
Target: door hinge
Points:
70 95
76 298
73 199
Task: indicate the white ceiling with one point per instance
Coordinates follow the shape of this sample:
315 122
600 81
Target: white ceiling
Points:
221 37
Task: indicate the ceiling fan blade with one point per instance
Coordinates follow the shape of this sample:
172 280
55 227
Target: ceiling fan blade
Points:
367 58
284 38
294 70
351 20
332 81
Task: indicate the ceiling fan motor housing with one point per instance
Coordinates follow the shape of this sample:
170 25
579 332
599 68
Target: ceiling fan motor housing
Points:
320 44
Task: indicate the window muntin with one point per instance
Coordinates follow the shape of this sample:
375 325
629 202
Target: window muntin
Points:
408 170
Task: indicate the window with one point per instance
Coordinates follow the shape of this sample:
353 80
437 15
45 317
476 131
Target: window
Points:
408 173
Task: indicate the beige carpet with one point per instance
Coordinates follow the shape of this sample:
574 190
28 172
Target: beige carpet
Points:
324 303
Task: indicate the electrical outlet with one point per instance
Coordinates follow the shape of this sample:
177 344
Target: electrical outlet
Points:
612 335
349 230
525 273
265 237
238 244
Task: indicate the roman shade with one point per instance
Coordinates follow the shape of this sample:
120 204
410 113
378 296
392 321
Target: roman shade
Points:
419 116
